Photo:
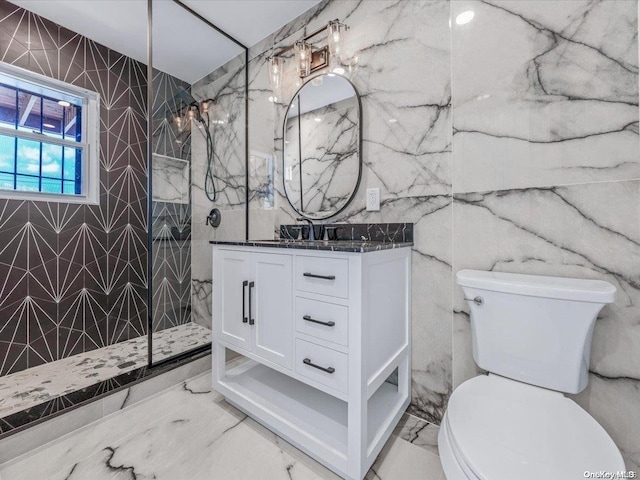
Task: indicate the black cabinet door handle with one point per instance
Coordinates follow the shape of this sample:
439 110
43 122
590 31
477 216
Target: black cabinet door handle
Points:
307 361
324 277
244 301
320 322
251 319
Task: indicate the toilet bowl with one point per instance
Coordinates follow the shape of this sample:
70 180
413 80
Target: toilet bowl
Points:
499 429
533 335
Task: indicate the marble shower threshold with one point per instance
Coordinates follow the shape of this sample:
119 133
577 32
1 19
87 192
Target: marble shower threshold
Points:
76 375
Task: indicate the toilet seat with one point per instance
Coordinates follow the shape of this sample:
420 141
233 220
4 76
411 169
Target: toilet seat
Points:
498 429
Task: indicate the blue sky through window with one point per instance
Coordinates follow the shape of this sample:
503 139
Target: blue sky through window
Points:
28 163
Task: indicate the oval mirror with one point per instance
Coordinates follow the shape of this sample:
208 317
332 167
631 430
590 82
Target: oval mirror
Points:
322 147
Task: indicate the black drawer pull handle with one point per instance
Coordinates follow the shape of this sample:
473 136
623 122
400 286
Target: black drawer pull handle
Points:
320 322
324 277
307 361
251 319
244 302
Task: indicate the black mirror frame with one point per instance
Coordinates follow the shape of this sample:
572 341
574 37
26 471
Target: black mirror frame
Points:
357 185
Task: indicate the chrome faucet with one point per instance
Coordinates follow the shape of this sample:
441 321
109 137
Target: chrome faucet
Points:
312 232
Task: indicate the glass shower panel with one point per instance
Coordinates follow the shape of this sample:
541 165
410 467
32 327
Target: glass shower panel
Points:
197 164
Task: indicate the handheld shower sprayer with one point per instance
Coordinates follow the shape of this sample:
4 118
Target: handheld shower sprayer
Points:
199 112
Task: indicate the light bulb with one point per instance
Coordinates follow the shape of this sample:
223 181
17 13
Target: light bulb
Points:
303 58
275 72
335 38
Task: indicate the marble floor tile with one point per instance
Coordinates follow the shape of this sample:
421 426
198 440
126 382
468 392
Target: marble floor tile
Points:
39 384
190 432
418 432
400 459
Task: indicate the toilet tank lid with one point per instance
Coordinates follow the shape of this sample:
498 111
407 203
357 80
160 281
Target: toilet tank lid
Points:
577 289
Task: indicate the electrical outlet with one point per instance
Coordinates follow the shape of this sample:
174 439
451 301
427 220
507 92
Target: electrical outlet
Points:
373 199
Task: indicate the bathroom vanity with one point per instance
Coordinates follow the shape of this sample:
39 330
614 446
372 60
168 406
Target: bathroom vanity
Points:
325 332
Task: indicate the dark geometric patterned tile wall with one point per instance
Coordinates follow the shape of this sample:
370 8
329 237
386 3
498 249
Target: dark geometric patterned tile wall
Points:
73 277
171 226
171 264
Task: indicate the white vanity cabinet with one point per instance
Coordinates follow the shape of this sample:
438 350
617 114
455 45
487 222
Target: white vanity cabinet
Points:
254 311
326 338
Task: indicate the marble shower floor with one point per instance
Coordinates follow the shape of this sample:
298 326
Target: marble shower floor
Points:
190 433
39 384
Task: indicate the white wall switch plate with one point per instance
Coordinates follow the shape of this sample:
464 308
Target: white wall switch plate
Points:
373 199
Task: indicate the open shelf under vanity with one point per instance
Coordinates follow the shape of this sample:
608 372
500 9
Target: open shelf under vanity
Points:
319 418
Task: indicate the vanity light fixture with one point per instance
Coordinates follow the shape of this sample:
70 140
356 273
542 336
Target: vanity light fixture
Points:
275 71
308 58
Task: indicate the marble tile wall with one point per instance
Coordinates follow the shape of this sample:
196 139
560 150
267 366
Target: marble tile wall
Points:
226 86
511 142
546 172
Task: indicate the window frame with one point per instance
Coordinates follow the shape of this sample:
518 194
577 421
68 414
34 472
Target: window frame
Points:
90 126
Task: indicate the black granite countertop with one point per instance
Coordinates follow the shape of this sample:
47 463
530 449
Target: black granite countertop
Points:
353 246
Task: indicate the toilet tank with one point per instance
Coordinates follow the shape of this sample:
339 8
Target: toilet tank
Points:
532 328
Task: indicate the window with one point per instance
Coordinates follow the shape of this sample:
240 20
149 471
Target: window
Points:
48 139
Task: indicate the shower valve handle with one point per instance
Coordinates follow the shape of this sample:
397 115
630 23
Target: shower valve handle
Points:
214 218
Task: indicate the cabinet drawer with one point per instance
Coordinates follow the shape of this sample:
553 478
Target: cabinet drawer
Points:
322 320
326 276
335 365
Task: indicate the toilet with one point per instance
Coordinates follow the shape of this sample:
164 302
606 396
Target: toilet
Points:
532 334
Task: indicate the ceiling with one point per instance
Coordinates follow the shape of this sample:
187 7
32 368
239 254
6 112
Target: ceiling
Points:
183 46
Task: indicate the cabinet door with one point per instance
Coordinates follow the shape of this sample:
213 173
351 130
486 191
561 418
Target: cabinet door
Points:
273 309
231 270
